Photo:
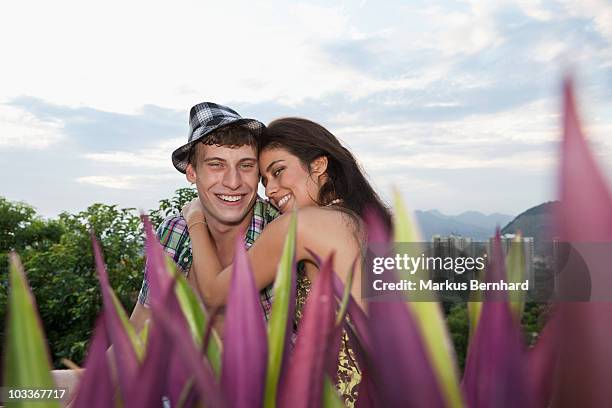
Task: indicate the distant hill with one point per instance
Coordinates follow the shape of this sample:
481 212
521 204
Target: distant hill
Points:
471 224
536 222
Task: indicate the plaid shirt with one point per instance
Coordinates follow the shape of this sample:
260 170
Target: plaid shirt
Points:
174 238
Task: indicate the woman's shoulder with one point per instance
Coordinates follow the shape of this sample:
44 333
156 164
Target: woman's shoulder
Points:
318 218
334 219
316 213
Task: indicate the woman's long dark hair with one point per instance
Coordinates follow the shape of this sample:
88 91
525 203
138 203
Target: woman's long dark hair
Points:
308 141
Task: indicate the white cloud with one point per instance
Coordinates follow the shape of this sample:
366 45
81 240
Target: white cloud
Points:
20 130
549 50
467 32
600 11
178 55
134 182
156 157
535 9
242 52
519 162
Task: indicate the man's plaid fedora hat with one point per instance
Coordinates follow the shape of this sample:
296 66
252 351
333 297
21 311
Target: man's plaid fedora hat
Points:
204 118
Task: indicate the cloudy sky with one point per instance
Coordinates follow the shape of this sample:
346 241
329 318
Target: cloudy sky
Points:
455 103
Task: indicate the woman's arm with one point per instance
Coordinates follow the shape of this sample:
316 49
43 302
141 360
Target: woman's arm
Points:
213 281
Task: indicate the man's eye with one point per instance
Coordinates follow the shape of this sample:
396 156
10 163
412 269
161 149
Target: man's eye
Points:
247 166
214 164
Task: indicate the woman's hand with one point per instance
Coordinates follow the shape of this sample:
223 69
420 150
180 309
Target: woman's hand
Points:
193 212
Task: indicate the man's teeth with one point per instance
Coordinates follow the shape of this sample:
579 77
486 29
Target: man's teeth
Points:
229 198
284 200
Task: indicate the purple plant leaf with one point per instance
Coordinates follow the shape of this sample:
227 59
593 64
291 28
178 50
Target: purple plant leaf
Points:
245 347
356 314
399 364
585 213
333 354
123 348
158 360
542 363
585 329
303 386
390 350
157 274
336 342
153 379
96 388
193 359
149 386
366 392
495 368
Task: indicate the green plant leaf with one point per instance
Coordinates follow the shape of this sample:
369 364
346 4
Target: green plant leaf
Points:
346 294
281 315
515 271
129 329
430 319
474 305
196 317
331 399
27 362
474 310
144 333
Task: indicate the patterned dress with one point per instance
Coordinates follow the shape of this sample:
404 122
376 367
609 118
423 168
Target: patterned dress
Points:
349 375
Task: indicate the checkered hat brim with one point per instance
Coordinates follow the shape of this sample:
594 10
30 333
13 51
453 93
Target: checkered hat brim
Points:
205 118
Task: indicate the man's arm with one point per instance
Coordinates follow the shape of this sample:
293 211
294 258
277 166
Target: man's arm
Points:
139 316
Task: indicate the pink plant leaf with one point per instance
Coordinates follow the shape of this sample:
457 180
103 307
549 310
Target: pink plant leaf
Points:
96 388
495 368
193 359
399 360
157 274
158 360
123 349
585 329
542 363
585 212
396 359
245 346
155 377
366 392
303 386
355 313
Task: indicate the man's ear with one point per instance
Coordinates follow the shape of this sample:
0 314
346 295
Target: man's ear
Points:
190 173
318 166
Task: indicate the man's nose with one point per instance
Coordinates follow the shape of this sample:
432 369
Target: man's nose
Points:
232 179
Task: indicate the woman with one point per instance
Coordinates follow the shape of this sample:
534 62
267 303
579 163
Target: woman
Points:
302 166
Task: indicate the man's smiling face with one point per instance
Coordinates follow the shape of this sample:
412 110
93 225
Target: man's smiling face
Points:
226 179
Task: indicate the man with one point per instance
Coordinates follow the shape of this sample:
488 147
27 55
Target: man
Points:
220 158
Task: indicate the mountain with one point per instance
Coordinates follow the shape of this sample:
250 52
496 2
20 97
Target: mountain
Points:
479 219
471 224
536 222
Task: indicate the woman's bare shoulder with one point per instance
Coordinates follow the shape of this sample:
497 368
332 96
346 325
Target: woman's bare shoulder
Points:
319 219
321 213
328 219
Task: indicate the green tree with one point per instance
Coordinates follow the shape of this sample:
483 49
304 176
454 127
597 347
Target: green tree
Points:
58 258
21 230
458 326
169 206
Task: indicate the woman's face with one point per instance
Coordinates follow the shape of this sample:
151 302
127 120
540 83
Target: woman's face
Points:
288 184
